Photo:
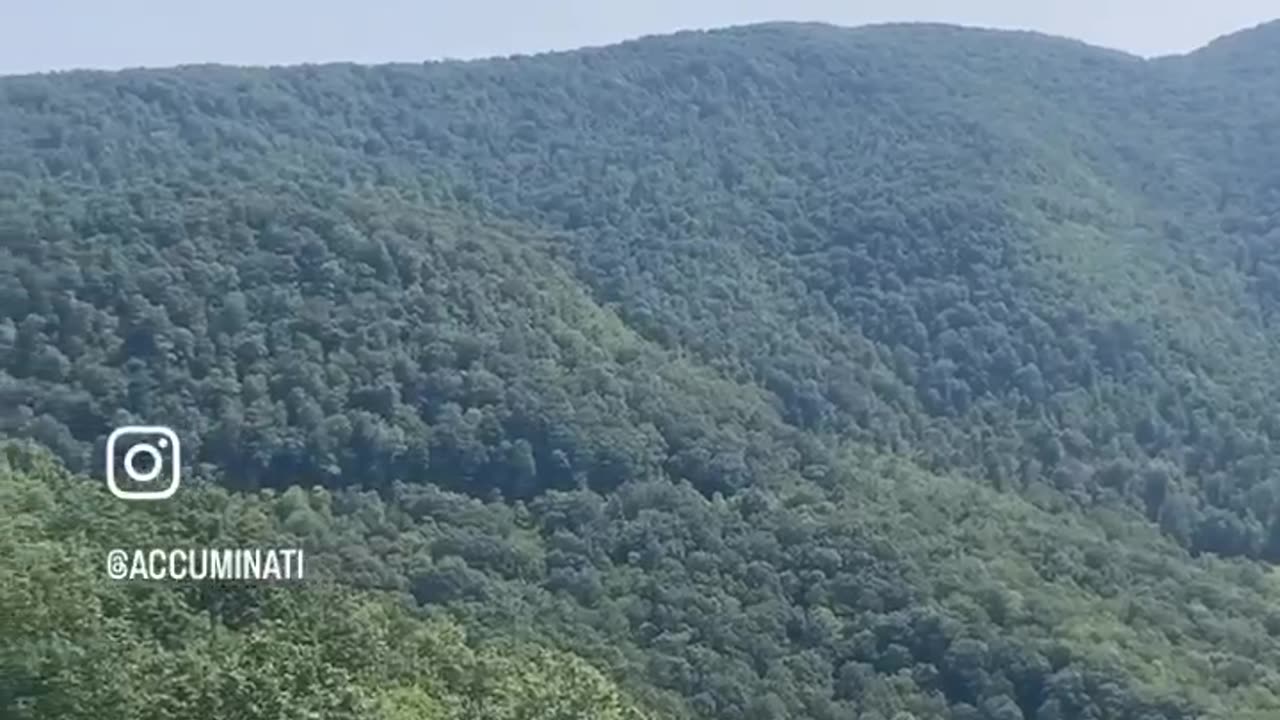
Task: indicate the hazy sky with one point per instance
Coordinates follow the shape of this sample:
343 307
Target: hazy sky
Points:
57 34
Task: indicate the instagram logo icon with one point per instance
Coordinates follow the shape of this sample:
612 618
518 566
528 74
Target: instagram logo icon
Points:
150 458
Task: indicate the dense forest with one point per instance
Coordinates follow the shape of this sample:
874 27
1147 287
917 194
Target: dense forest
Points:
78 646
900 372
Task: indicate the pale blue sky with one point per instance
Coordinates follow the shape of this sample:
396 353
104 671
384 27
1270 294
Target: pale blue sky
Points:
58 34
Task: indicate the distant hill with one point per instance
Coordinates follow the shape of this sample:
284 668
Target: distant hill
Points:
779 371
1253 47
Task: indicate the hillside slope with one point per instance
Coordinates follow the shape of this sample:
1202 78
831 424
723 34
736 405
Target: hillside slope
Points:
1006 252
77 646
782 371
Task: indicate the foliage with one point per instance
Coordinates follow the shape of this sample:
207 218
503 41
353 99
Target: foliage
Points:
76 645
783 371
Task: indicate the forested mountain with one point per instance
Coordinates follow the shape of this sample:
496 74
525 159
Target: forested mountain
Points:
780 371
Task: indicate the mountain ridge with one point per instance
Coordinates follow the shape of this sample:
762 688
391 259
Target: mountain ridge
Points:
943 28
